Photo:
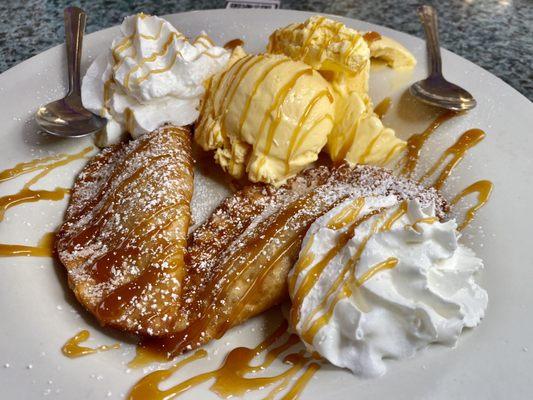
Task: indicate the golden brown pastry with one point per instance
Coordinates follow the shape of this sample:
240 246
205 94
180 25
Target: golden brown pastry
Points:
124 236
238 260
124 239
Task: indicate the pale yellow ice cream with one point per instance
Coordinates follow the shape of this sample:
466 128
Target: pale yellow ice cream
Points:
392 52
266 116
342 55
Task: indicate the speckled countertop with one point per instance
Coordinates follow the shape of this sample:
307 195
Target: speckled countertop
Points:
495 34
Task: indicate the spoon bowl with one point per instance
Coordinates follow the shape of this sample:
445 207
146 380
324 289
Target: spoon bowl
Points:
67 117
437 91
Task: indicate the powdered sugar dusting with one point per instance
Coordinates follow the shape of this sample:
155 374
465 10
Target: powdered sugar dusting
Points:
125 230
239 258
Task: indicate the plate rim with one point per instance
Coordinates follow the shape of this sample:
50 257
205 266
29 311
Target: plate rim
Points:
25 63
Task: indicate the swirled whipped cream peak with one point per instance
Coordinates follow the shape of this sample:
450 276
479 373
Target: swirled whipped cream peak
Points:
151 75
377 279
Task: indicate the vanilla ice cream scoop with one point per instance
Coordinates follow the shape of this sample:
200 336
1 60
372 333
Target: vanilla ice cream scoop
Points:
380 279
342 55
266 116
150 76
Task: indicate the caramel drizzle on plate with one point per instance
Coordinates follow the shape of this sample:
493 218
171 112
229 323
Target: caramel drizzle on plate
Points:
483 189
383 107
458 151
416 142
73 349
231 379
145 356
43 249
455 153
28 195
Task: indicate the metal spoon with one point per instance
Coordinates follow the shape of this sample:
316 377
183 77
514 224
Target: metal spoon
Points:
67 117
436 90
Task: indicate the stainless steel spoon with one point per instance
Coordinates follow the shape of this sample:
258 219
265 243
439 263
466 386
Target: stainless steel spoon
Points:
67 117
436 90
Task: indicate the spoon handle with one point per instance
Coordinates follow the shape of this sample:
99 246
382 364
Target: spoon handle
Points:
74 29
428 17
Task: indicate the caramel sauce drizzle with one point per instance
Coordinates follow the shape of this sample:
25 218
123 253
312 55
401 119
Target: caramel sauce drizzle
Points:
325 44
252 94
169 66
304 49
271 232
240 74
110 306
280 97
148 386
392 152
371 36
345 292
343 152
154 56
43 249
251 292
347 215
389 263
247 63
304 261
383 107
301 122
73 349
231 379
201 38
483 189
369 148
427 220
27 195
309 280
458 151
301 382
395 216
417 141
145 356
313 325
301 140
232 44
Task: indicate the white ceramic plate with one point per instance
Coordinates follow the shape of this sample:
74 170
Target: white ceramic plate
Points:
37 312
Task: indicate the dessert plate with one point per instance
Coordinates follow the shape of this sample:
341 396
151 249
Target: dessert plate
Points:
38 313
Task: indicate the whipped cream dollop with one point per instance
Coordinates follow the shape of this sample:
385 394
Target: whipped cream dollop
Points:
150 76
380 279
